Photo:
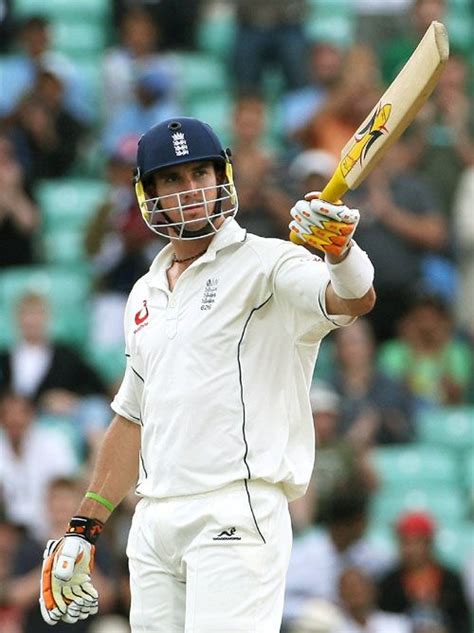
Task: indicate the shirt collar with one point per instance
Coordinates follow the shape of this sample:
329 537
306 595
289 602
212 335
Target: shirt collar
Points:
230 233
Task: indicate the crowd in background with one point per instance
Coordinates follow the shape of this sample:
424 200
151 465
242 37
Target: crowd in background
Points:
285 97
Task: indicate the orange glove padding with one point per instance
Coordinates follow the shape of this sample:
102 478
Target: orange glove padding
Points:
67 593
323 225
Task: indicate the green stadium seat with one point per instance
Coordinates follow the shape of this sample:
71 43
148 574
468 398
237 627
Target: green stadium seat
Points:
79 36
66 290
446 504
455 543
54 9
447 426
216 32
217 111
109 361
69 202
468 479
331 21
202 76
468 471
67 427
415 464
63 246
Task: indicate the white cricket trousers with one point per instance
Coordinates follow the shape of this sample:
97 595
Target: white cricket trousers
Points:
210 563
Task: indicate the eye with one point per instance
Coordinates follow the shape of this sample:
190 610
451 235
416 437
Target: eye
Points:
169 178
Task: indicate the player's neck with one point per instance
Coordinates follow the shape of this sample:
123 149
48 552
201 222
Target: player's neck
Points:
186 251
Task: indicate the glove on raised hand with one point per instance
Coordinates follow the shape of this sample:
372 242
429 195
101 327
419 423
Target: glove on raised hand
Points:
323 225
67 593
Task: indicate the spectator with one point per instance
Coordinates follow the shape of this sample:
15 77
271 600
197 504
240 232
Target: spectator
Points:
463 226
444 143
45 133
317 616
468 580
397 50
419 585
30 457
319 557
374 408
63 496
11 620
299 106
262 202
116 239
176 21
19 216
357 595
351 99
33 56
138 50
426 356
338 464
52 374
310 170
379 22
152 100
269 33
401 224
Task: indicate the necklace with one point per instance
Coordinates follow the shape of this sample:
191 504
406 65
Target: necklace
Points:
188 259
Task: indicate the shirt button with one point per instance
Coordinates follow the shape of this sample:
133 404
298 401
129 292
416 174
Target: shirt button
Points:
172 303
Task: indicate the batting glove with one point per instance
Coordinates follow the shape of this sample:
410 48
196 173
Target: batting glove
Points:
323 225
67 593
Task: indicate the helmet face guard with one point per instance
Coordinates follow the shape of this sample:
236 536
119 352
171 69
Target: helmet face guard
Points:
219 201
176 142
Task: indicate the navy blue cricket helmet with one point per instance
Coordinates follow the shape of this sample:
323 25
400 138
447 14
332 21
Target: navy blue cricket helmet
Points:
175 142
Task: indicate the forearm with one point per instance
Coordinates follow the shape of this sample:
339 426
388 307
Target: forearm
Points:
116 469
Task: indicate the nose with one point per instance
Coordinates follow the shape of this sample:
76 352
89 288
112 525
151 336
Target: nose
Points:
191 188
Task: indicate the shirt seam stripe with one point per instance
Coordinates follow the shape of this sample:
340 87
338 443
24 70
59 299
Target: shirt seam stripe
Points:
242 400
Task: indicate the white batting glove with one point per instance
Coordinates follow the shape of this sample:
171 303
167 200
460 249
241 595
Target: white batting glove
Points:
323 225
67 593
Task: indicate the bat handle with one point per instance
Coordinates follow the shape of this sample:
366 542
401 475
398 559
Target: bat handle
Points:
332 192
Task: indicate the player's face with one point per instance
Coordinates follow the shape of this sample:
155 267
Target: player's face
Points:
188 191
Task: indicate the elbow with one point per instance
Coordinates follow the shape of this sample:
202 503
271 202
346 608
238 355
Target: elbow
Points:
364 305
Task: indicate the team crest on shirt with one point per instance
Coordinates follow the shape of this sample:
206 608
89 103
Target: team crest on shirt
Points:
141 317
209 294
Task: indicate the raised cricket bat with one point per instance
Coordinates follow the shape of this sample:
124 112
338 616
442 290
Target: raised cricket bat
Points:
393 113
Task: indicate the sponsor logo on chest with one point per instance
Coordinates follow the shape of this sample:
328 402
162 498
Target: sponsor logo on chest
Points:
141 317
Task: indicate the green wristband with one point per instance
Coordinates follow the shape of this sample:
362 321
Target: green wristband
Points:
104 502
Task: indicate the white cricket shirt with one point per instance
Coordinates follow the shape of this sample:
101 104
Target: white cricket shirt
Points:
219 370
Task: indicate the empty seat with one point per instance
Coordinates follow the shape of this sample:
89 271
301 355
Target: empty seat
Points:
445 503
54 9
415 464
447 426
79 36
201 76
69 202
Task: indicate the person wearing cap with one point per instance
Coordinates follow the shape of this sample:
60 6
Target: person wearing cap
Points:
213 421
420 585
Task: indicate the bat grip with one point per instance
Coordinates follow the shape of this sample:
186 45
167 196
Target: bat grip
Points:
332 192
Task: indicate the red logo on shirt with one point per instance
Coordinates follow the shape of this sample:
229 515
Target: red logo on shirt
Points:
142 315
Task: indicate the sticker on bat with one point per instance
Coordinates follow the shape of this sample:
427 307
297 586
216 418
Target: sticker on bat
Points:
366 137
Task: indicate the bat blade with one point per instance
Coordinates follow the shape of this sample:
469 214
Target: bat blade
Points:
392 114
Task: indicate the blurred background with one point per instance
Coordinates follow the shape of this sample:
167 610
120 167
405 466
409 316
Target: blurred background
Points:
384 538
